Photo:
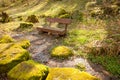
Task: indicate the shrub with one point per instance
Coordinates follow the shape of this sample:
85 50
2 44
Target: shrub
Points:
32 19
24 26
77 15
5 17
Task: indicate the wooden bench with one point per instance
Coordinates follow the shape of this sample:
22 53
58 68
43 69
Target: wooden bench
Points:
57 31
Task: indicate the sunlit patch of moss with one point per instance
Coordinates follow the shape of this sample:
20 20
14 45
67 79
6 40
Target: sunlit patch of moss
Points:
61 51
6 39
25 26
28 70
68 74
5 46
11 57
24 44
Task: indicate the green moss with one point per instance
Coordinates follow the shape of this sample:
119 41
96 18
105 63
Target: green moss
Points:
28 70
5 46
11 57
68 74
24 26
65 16
61 51
24 44
32 18
6 39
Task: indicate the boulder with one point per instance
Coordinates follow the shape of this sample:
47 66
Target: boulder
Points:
11 57
28 70
12 53
61 51
68 74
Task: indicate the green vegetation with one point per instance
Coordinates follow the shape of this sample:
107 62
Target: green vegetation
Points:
25 26
23 43
80 66
69 74
28 70
94 33
111 63
61 52
32 19
6 39
12 53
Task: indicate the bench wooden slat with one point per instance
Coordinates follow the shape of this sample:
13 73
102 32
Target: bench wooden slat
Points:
63 21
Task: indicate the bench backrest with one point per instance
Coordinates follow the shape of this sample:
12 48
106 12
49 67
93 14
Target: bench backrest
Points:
62 21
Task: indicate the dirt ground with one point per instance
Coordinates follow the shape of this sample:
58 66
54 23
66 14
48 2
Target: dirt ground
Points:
41 44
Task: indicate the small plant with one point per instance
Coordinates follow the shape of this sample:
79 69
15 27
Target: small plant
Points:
80 66
32 19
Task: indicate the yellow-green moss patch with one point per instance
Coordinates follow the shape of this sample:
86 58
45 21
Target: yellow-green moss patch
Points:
24 44
28 70
32 18
68 74
11 57
5 46
61 51
6 39
25 26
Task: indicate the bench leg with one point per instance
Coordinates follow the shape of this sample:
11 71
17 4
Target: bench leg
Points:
49 33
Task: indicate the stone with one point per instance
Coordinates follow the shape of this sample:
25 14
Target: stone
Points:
69 74
61 51
28 70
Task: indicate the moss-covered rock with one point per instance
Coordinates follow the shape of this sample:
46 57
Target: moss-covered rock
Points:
24 26
68 74
65 16
24 44
32 18
11 57
28 70
61 51
5 46
6 39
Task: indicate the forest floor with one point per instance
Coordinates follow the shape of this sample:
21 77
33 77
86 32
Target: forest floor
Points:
41 44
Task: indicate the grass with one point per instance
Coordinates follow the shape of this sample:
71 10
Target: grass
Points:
92 33
111 63
79 38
